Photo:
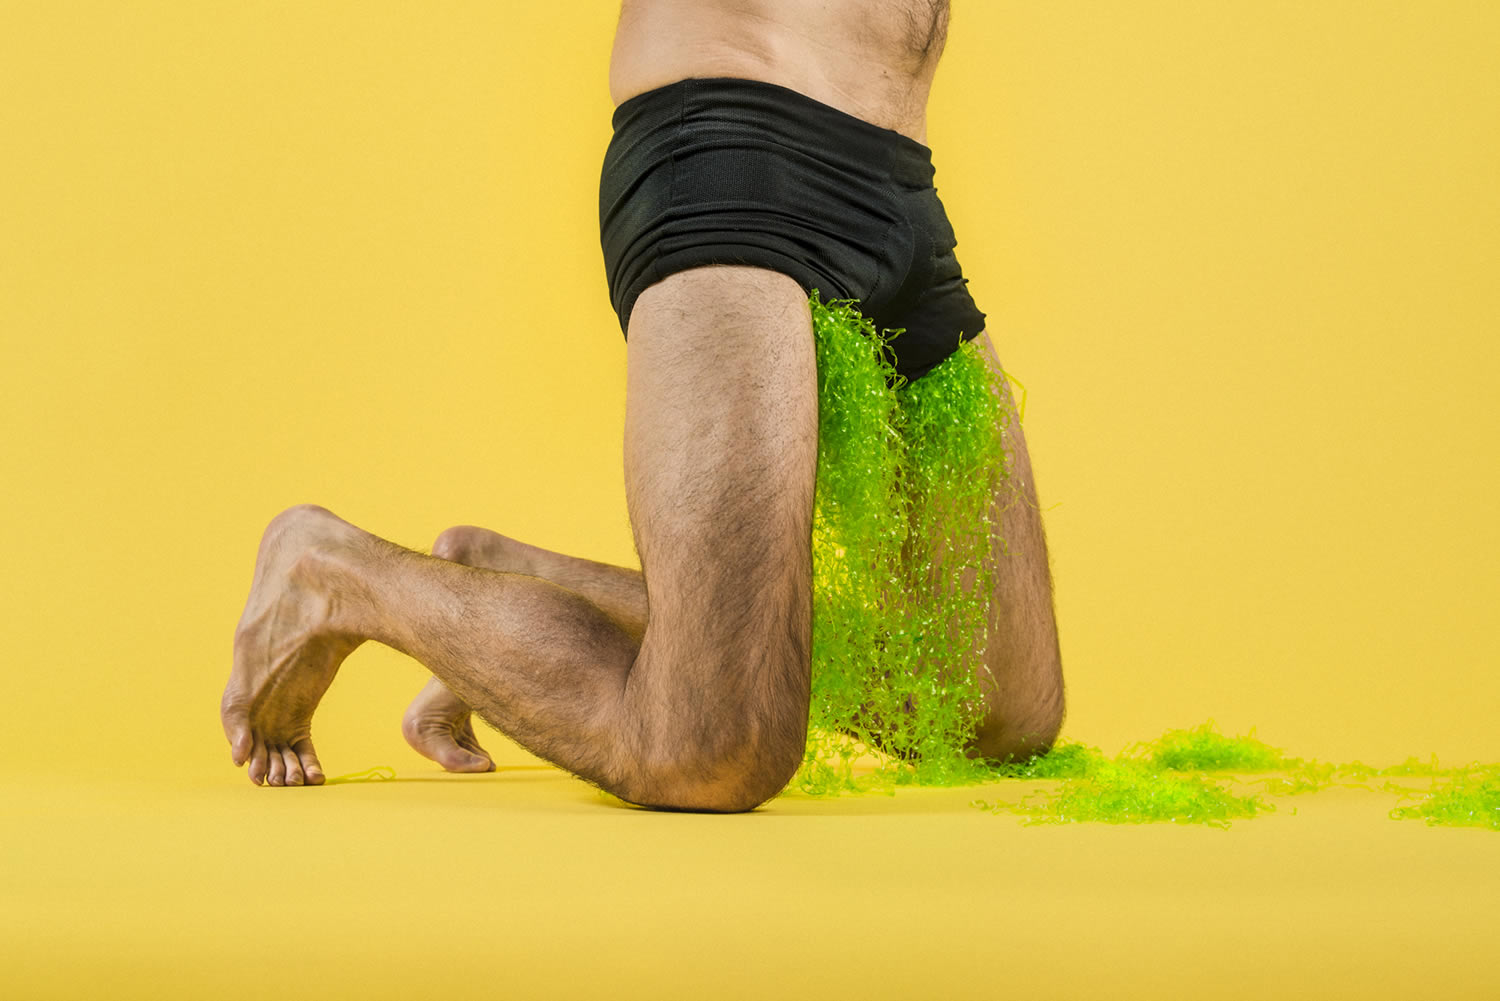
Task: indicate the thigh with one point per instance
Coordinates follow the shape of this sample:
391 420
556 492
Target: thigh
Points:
720 460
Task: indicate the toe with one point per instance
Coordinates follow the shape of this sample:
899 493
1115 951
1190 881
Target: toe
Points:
472 746
258 761
277 774
457 758
312 769
468 741
293 766
237 729
438 743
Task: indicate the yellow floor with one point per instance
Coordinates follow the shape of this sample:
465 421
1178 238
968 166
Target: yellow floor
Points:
528 883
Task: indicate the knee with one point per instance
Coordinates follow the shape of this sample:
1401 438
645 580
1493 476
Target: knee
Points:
1017 736
735 772
736 794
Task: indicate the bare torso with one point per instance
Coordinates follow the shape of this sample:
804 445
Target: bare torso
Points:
874 59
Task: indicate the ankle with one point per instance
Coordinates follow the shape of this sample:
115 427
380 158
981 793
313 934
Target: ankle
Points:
335 575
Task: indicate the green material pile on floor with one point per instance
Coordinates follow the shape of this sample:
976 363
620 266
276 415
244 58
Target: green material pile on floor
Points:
1168 780
1470 798
1173 779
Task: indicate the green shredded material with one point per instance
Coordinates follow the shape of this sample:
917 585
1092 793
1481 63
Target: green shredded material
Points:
1175 778
1415 766
1144 784
1204 748
1130 792
903 559
1067 760
1293 785
1470 798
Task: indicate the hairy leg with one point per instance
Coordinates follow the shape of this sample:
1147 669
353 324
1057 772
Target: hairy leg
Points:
620 592
1021 676
708 709
322 586
438 724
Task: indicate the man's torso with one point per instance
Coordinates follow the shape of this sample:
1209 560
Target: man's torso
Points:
874 59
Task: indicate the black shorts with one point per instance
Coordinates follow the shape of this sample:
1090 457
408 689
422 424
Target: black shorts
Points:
731 171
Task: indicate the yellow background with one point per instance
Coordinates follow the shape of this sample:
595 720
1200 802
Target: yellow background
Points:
1243 257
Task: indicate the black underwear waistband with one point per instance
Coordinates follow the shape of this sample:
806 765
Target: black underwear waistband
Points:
777 114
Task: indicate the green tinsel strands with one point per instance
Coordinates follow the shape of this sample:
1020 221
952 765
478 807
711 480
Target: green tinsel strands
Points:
903 567
902 558
1470 798
1192 777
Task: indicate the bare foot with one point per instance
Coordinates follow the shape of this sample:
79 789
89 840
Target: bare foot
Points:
286 648
439 725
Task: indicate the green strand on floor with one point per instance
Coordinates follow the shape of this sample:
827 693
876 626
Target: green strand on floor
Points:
1470 798
1204 748
1191 777
1182 777
1167 780
1132 792
906 477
